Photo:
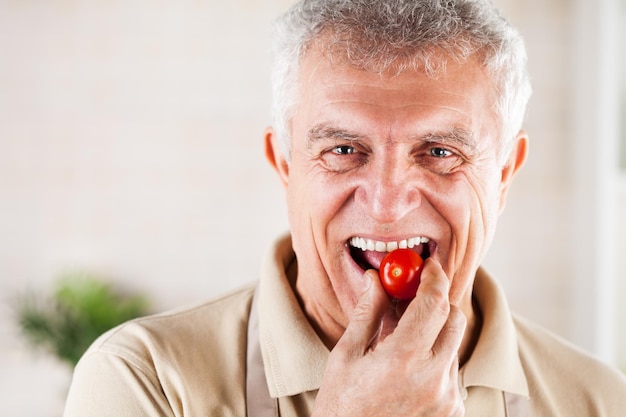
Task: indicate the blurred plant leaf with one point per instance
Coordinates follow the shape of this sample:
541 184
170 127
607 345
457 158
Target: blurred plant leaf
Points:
79 310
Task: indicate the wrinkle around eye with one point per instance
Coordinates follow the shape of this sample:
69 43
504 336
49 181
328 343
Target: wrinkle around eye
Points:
446 164
334 161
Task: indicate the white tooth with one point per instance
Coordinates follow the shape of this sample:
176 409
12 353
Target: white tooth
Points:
357 242
373 245
391 246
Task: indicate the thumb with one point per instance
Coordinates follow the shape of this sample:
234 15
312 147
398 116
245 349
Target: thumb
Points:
365 322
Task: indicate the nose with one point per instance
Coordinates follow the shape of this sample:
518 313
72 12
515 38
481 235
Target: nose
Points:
389 192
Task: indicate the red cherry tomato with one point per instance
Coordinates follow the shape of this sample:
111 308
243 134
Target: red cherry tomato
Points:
400 272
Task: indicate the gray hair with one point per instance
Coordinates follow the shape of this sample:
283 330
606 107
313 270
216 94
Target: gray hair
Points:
395 35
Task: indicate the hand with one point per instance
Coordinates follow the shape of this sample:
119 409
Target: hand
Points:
411 372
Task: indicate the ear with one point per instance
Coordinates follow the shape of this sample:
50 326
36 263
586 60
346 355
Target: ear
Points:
275 156
516 159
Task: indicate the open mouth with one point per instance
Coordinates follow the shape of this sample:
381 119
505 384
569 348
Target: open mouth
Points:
368 253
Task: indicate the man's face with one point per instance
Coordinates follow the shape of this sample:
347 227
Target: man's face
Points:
379 162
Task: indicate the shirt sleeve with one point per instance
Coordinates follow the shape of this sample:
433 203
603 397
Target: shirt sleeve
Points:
109 384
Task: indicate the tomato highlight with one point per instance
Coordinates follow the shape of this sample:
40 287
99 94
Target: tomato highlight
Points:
400 272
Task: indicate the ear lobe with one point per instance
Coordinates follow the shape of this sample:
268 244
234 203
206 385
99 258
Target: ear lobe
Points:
515 161
275 157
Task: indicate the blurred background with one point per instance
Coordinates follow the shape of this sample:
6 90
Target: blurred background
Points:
131 149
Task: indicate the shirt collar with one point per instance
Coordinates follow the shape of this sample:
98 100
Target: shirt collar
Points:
295 358
495 361
293 355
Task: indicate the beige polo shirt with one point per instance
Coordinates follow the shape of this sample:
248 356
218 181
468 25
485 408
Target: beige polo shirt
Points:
191 362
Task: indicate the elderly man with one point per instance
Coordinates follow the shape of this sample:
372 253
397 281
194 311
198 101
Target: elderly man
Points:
398 124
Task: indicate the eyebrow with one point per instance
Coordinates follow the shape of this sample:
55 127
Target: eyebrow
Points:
323 132
455 136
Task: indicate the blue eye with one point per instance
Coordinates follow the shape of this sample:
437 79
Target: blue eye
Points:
440 152
344 150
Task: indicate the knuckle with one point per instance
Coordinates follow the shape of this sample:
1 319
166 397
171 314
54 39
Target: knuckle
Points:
362 311
437 301
457 318
448 403
343 354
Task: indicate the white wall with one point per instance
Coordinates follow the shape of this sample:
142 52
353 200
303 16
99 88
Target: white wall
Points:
620 229
529 255
620 287
131 146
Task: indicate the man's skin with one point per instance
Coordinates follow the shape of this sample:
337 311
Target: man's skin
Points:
388 158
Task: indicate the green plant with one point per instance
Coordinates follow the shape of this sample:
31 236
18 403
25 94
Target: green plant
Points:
79 310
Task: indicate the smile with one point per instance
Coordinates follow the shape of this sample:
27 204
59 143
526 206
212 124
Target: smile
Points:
368 253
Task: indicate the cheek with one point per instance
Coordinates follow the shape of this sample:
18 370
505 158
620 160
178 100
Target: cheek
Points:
317 213
313 200
469 205
482 197
469 208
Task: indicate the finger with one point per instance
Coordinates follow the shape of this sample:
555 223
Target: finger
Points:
451 335
365 321
427 314
457 391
